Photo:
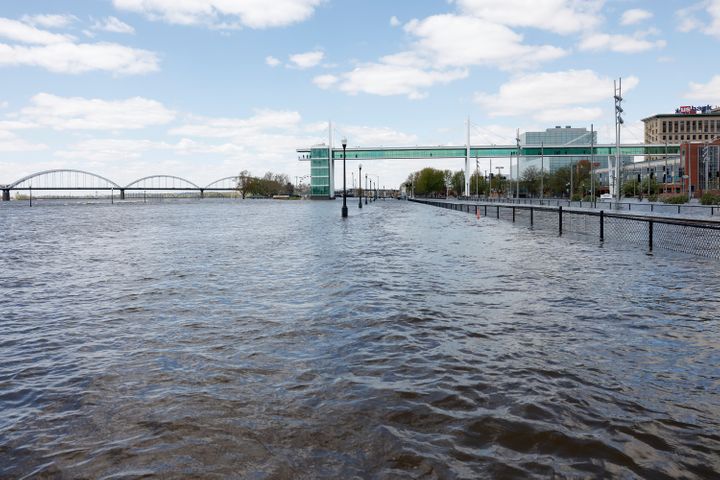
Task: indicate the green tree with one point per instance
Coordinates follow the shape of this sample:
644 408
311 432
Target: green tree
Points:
631 187
242 182
458 182
559 182
530 180
430 181
478 184
498 184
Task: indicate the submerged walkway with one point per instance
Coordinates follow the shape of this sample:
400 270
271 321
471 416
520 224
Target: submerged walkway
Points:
696 236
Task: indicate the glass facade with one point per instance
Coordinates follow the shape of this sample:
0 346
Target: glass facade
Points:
554 156
319 172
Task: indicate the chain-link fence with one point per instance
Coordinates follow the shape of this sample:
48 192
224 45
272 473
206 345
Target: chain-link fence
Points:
635 207
691 236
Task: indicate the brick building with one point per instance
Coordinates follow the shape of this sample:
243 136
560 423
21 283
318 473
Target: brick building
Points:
701 166
689 124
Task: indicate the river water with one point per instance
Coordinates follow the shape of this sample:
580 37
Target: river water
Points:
270 340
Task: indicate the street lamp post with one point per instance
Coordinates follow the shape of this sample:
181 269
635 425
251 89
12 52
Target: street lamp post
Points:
360 192
499 168
344 210
366 184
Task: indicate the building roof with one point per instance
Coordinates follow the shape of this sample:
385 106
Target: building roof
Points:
712 114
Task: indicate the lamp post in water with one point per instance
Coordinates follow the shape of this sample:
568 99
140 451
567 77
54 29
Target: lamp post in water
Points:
344 210
366 183
360 192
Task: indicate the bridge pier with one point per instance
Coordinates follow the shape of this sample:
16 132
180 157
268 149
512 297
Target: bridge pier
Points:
122 194
202 193
6 195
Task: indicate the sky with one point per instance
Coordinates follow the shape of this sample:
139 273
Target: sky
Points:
203 89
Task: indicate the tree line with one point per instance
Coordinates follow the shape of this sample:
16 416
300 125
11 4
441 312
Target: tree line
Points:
569 181
266 186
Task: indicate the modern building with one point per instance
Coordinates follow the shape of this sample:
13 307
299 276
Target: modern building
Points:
687 124
696 169
552 138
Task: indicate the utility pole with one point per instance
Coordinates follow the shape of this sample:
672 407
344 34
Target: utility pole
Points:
592 163
542 170
706 160
517 180
467 160
618 122
477 178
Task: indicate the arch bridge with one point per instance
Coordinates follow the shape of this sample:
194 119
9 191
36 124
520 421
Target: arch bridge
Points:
79 180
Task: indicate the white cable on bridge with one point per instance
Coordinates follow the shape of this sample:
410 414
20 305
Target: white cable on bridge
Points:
483 131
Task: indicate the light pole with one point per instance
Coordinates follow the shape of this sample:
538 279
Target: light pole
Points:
499 168
366 184
344 210
360 186
618 123
542 171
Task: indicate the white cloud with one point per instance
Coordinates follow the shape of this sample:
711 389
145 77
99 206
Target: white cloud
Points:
705 92
559 16
61 54
76 113
113 149
272 61
556 96
263 119
703 16
114 25
444 47
636 43
81 57
4 104
393 79
458 41
224 13
394 22
634 15
9 142
380 136
24 33
307 59
50 20
325 81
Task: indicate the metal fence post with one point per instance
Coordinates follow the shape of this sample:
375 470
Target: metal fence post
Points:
602 225
532 220
498 212
486 210
513 214
560 219
650 235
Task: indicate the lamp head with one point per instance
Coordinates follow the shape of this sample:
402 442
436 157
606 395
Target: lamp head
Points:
344 142
361 166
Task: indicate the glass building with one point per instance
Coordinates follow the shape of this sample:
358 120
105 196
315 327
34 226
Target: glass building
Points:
567 136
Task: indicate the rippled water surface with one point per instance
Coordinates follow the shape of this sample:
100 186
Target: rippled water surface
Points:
263 339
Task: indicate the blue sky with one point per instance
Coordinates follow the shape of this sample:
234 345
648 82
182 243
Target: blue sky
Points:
206 88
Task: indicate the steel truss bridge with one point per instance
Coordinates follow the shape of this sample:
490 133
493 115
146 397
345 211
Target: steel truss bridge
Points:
79 180
322 158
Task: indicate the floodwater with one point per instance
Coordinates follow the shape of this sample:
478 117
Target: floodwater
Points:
272 340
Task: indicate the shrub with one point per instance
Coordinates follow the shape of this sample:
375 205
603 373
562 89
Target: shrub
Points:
710 198
674 199
653 198
576 197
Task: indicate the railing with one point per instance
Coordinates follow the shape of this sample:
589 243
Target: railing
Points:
691 236
662 208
